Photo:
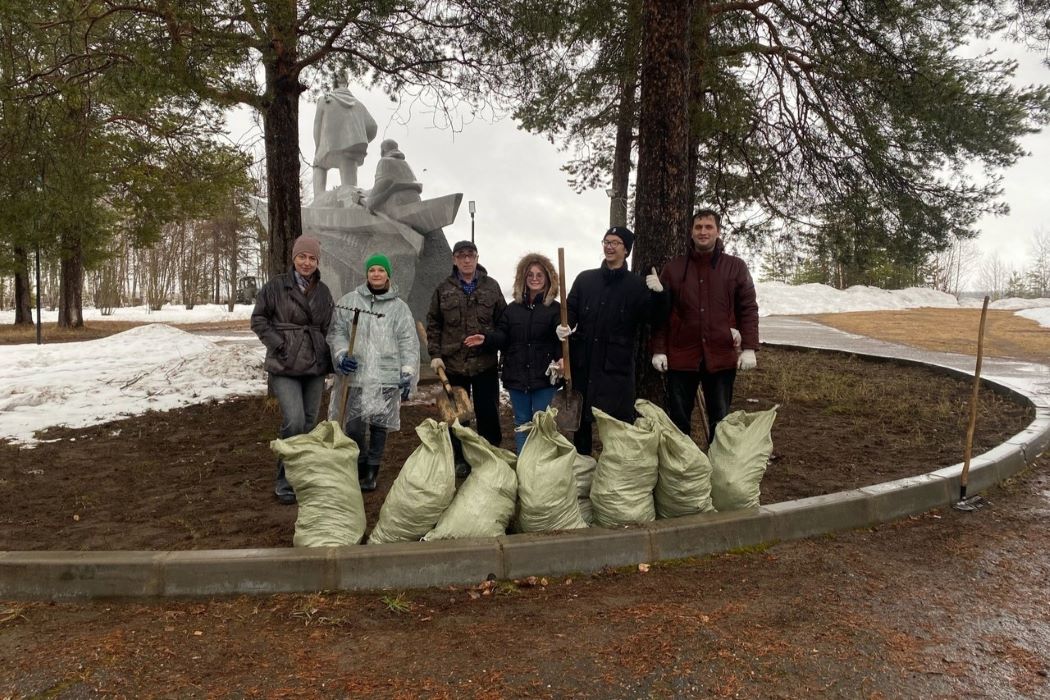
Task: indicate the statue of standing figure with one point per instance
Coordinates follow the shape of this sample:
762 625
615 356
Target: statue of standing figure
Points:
343 129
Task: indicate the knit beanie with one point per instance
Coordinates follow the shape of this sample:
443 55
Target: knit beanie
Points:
378 259
624 234
306 244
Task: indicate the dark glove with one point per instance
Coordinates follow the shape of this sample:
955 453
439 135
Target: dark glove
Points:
347 365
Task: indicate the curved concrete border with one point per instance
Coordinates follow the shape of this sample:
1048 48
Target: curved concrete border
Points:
66 575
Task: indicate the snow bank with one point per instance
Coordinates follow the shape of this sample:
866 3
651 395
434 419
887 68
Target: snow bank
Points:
172 313
150 367
779 299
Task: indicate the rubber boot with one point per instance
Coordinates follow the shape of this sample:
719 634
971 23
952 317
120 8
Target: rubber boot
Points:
283 490
369 477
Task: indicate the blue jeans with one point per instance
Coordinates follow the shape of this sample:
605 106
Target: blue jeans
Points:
300 401
525 404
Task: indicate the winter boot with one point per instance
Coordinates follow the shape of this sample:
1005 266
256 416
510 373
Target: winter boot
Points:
369 477
283 490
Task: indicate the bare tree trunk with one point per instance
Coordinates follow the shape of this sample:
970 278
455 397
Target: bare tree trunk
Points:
281 129
663 193
697 87
71 283
621 173
23 299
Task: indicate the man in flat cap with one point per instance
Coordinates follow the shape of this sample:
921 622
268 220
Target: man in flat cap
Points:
466 303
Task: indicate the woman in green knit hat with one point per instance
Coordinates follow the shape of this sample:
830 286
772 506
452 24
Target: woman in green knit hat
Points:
382 369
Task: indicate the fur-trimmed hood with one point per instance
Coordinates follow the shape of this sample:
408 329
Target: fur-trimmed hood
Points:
519 277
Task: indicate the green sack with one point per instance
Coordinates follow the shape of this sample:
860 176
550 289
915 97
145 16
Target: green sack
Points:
583 467
322 468
422 491
739 453
546 484
484 504
622 491
684 483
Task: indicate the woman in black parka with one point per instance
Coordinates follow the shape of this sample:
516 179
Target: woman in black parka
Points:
525 336
291 317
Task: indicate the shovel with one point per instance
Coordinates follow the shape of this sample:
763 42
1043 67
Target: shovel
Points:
973 502
454 404
349 352
568 401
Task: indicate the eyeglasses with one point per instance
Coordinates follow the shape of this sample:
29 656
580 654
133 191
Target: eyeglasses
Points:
465 256
612 243
535 275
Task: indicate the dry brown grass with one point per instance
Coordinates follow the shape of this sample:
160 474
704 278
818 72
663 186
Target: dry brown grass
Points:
949 330
93 330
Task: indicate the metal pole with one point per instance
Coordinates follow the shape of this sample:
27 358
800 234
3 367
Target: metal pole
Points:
39 340
472 208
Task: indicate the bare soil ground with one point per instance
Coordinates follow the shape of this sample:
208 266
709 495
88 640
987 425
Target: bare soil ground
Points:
940 605
201 477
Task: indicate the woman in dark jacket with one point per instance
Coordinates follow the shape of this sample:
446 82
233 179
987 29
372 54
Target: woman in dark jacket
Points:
291 317
525 336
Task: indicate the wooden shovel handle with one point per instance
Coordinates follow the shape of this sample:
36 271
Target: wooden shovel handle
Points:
444 380
349 353
564 319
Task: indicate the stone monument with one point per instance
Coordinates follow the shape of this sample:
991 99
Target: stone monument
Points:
390 218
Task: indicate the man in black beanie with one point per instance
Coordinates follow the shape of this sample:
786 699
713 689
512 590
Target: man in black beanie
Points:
607 307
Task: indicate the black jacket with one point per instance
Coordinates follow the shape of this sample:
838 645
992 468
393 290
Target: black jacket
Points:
525 335
610 307
293 325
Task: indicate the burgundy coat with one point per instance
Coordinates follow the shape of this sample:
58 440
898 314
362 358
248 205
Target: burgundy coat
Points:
710 293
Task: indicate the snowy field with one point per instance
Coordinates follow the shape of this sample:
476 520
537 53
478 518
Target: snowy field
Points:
159 367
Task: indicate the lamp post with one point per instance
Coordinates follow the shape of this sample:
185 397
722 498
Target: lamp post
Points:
615 218
36 234
471 208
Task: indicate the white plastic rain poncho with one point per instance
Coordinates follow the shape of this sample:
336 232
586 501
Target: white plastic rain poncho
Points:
385 347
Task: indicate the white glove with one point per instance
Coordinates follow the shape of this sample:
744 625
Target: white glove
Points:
660 362
554 371
408 371
564 332
652 281
437 363
736 338
746 360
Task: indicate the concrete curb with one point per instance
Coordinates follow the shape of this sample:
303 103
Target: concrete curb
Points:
79 575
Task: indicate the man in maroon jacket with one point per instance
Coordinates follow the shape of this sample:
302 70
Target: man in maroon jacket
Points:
713 327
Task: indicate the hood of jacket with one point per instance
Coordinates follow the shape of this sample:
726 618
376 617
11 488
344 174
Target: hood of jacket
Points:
548 267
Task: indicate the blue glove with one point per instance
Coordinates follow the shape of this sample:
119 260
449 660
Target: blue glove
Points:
347 365
405 383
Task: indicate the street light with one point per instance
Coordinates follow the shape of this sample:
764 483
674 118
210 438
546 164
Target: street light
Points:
39 186
471 208
614 211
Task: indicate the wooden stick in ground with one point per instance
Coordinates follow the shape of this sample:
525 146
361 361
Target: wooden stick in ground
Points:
973 404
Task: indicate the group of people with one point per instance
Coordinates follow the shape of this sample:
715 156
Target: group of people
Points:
368 339
701 307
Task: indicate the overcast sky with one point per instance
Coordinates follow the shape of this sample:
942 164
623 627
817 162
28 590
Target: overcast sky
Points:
525 204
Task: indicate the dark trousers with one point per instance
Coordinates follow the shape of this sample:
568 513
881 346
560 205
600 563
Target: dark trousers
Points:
717 388
372 453
483 390
583 438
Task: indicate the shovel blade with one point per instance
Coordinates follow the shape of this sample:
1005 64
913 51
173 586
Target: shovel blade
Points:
569 403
